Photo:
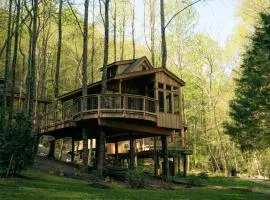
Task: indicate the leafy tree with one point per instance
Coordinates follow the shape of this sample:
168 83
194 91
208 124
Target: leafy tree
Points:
250 110
17 146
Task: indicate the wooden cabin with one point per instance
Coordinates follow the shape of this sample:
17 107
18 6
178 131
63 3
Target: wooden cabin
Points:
141 102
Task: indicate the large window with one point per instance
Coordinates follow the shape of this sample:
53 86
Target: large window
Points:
176 103
169 102
161 101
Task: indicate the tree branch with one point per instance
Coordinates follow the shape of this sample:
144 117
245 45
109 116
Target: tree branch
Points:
180 12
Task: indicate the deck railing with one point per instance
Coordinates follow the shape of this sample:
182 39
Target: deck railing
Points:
100 103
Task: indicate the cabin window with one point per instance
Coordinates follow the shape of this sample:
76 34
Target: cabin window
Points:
176 103
111 72
161 101
169 102
168 87
160 86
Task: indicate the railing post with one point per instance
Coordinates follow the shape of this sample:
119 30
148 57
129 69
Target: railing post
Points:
99 99
144 107
124 104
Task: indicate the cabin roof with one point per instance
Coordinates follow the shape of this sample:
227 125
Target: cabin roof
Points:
129 73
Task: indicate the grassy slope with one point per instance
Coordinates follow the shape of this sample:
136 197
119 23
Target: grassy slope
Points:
40 185
225 181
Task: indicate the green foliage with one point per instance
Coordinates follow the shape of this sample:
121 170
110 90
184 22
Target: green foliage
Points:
17 146
203 175
250 110
136 178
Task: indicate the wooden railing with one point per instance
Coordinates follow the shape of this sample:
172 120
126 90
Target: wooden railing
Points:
100 103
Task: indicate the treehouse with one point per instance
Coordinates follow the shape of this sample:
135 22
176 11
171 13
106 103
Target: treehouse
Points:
140 102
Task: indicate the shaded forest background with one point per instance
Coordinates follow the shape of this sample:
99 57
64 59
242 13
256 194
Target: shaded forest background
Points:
207 68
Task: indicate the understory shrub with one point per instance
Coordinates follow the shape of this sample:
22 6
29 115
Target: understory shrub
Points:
17 146
136 178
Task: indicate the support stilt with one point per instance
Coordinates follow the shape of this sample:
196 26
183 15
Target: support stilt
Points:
52 149
116 152
155 157
72 149
101 153
185 165
85 150
165 156
132 153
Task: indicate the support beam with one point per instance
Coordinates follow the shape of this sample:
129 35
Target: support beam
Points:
165 157
132 153
155 157
185 165
101 152
85 150
72 149
116 152
52 149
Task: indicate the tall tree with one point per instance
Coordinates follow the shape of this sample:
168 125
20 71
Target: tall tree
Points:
84 84
59 49
32 74
7 57
152 30
163 36
133 31
250 110
15 53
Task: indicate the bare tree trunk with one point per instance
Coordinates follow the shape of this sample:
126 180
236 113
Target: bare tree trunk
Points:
133 31
59 48
114 31
7 58
14 61
123 37
84 84
32 77
106 47
163 36
152 25
93 42
101 153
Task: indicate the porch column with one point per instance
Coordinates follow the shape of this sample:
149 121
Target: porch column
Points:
155 157
52 148
165 156
132 152
72 149
85 149
116 152
185 165
101 152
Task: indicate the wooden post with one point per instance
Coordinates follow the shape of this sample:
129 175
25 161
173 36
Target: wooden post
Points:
116 152
185 165
120 86
155 157
178 163
165 156
101 154
52 149
132 154
85 149
72 149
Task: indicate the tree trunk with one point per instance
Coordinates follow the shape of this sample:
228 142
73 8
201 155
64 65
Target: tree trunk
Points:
133 31
106 47
164 141
84 84
93 42
163 36
101 152
14 61
7 59
123 37
152 25
114 32
59 49
32 77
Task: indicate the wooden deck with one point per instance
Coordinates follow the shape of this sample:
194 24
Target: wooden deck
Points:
98 106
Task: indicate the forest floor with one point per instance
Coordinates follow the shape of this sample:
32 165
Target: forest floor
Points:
35 184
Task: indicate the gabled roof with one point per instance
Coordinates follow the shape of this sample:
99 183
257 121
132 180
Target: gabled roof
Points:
132 70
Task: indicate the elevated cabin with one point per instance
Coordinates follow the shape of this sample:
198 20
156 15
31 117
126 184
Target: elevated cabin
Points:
141 101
